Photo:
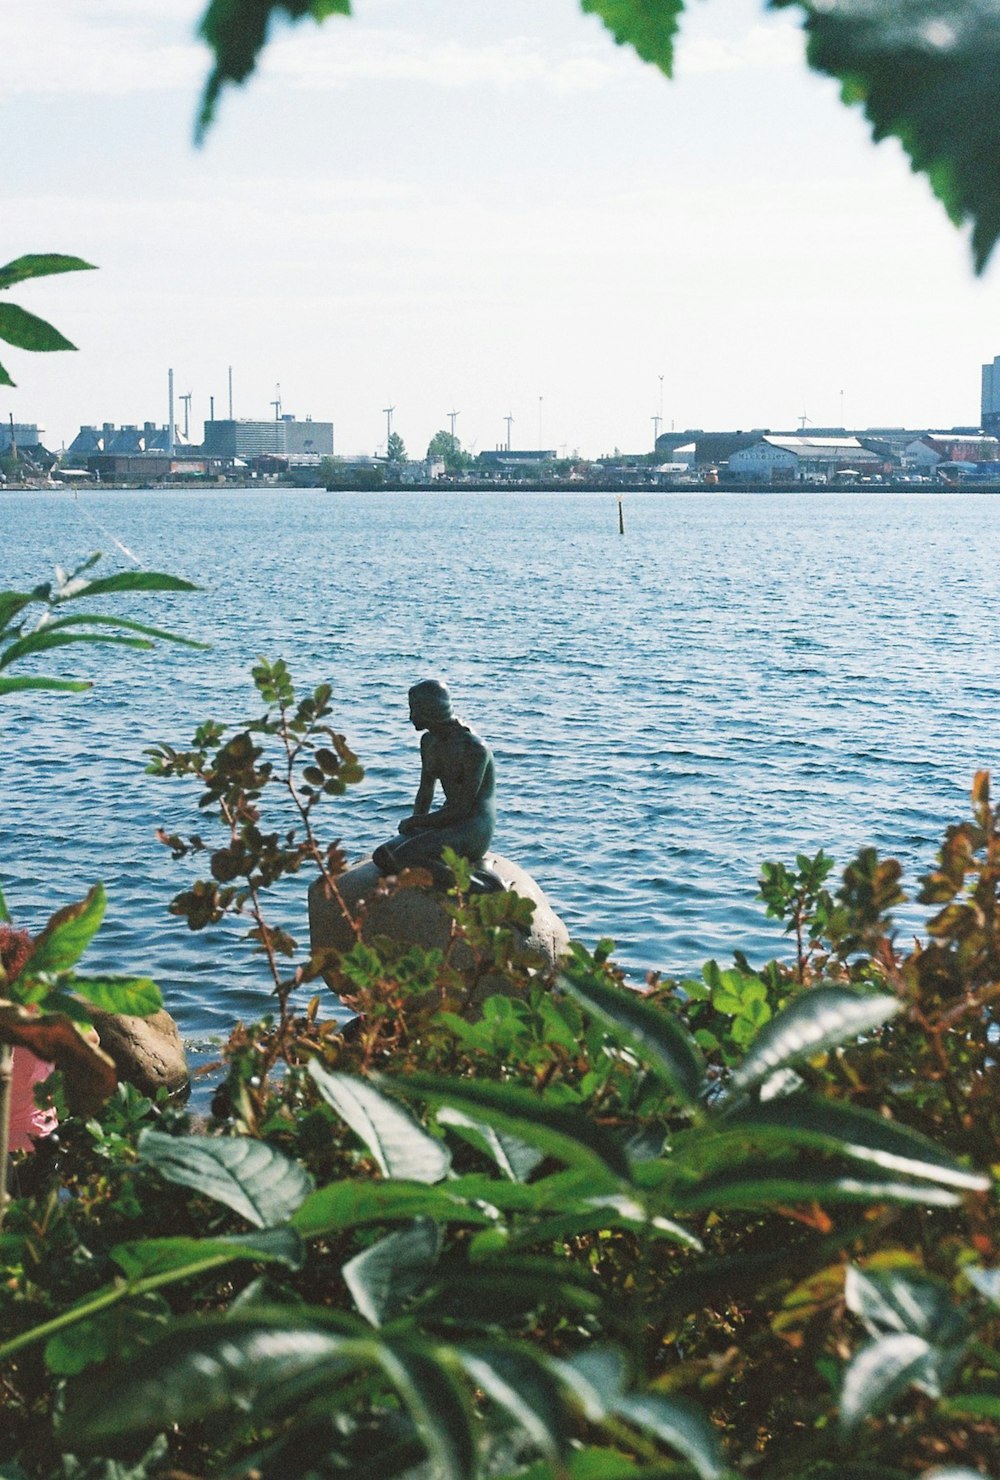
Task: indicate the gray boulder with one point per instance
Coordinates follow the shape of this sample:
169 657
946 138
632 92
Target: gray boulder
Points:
147 1051
417 917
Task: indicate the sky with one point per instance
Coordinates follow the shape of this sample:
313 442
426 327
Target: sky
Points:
474 206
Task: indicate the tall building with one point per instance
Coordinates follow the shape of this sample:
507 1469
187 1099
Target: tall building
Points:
284 437
990 401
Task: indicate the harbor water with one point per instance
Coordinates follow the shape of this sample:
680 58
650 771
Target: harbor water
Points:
738 677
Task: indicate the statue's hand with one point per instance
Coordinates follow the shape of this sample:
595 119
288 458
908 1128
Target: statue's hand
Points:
410 825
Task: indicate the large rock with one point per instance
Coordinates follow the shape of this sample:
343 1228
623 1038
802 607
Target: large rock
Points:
418 917
147 1051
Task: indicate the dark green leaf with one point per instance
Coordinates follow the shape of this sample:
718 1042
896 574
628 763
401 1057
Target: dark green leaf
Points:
928 73
43 641
656 1037
5 377
105 1334
769 1184
358 1203
64 685
27 331
251 1177
879 1374
203 1367
12 603
67 935
842 1129
515 1158
136 996
647 25
895 1300
95 618
679 1425
436 1407
130 580
237 33
816 1020
168 1259
40 264
401 1147
383 1277
521 1383
4 916
560 1132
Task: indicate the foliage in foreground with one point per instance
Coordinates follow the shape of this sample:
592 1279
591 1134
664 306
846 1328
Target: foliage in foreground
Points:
733 1226
926 73
26 330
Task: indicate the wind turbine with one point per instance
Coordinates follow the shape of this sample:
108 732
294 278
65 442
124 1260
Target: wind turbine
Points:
387 411
276 403
452 416
508 419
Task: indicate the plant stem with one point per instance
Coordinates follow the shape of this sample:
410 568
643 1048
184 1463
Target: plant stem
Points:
6 1077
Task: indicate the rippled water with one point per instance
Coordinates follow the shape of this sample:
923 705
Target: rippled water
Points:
739 678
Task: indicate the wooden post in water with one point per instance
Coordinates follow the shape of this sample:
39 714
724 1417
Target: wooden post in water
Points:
621 517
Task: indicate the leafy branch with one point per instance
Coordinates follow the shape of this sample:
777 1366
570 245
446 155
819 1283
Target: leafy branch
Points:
25 330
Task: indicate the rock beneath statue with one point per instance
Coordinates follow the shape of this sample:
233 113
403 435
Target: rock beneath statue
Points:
417 917
147 1051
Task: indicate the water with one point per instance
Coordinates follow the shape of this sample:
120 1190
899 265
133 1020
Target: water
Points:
741 677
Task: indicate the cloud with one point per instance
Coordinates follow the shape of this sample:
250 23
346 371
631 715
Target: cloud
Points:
777 44
344 54
90 49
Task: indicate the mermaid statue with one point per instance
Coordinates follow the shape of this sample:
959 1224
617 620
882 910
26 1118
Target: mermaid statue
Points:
450 754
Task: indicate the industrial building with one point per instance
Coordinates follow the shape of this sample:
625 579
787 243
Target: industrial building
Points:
283 437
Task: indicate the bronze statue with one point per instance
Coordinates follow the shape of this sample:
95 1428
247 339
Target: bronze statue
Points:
452 754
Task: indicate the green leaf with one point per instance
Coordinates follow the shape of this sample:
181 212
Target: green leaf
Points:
769 1184
386 1275
5 378
816 1020
436 1407
880 1373
204 1367
168 1259
237 33
26 331
400 1146
357 1203
987 1283
4 914
597 1376
845 1130
557 1131
106 1334
515 1158
680 1426
130 580
40 264
43 640
135 996
657 1038
254 1179
892 1300
928 73
126 624
647 25
12 603
523 1384
67 935
65 685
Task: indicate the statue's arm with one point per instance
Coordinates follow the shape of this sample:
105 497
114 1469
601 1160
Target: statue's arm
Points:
425 794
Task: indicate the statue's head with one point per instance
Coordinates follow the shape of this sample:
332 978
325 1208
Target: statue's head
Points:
430 704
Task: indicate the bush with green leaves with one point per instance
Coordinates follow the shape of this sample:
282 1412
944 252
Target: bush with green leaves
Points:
592 1232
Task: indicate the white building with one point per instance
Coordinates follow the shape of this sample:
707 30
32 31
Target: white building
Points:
801 459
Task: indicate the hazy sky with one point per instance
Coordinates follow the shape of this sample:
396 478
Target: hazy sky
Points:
474 205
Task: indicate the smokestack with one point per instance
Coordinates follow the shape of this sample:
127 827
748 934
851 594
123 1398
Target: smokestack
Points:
170 414
230 393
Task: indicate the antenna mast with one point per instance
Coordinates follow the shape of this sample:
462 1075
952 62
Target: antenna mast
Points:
388 410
